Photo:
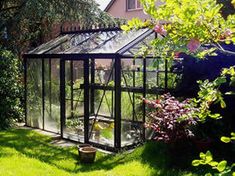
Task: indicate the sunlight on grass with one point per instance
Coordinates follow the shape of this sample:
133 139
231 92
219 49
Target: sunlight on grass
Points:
27 153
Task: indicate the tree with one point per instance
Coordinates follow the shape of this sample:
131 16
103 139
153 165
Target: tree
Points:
22 21
186 26
196 28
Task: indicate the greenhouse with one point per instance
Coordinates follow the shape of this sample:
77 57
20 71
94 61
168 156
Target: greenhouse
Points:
88 86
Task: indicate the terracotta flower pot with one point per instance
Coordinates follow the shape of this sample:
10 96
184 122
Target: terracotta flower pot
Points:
87 154
81 146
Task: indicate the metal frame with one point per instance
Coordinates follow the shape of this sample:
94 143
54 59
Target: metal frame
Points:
90 87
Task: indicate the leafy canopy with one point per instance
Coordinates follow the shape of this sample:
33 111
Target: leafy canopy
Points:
22 21
186 26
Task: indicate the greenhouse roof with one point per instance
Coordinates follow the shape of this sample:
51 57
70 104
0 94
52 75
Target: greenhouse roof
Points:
97 42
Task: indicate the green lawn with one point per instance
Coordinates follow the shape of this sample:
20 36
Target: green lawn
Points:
25 152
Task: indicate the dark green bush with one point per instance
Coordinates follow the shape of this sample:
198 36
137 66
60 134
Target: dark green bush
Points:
10 89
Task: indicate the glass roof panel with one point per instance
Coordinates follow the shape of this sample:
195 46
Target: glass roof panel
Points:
49 45
95 41
144 43
119 41
100 42
74 41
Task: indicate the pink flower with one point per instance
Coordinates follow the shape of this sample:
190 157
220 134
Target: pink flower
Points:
160 29
158 101
193 45
227 33
177 54
146 101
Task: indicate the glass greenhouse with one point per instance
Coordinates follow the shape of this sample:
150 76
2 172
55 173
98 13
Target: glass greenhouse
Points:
88 86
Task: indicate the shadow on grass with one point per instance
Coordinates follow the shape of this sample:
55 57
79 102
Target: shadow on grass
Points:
34 145
171 159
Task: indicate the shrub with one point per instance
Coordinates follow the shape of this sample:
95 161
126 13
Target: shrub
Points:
10 89
171 119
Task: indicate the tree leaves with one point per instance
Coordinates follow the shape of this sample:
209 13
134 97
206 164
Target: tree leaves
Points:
225 139
31 19
221 166
10 89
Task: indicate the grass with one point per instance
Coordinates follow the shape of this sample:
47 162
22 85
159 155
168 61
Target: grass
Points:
28 153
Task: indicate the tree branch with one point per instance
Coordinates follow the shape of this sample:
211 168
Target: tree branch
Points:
220 48
10 8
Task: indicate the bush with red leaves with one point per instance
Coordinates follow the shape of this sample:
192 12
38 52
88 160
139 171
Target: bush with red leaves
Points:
170 119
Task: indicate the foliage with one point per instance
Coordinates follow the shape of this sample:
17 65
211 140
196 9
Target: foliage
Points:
74 124
25 22
187 26
208 94
231 73
222 167
171 119
10 89
228 139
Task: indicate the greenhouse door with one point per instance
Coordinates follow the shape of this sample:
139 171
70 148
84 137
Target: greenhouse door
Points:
72 101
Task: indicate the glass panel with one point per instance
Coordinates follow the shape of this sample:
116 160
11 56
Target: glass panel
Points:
127 73
101 126
127 105
131 101
103 102
78 92
102 131
74 122
73 41
146 43
97 42
132 73
119 41
34 93
138 103
52 94
131 133
155 74
132 81
132 106
97 39
51 44
103 72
